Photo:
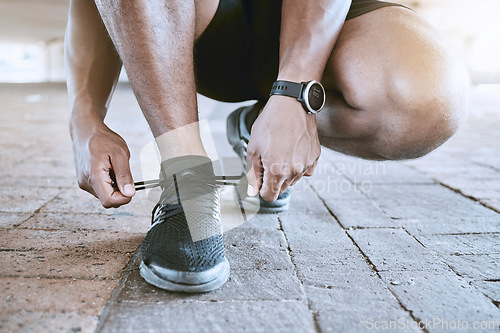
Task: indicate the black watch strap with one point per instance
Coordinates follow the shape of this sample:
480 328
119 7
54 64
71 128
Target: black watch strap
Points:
287 88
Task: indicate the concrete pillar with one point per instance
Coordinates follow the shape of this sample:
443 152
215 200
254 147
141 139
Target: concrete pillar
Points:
53 61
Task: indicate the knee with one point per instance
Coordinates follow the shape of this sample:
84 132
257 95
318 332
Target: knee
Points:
423 110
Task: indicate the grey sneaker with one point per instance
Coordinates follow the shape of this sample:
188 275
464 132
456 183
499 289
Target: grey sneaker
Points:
238 135
183 251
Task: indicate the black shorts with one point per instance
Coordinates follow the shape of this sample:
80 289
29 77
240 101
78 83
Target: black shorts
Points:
236 58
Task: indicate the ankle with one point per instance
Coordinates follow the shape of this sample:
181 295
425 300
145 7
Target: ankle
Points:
182 141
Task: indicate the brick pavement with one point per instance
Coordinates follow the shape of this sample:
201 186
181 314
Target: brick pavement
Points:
364 242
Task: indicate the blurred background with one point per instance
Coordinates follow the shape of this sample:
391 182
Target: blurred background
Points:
32 36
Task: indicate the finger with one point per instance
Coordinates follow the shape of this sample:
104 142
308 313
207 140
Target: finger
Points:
102 184
310 171
271 185
286 184
297 178
254 176
123 176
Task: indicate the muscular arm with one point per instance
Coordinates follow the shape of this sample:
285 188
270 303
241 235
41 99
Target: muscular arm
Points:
92 62
93 68
309 30
285 144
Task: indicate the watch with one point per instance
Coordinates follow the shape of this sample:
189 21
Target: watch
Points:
310 94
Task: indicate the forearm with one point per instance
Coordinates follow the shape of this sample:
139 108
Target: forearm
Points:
284 145
309 30
93 65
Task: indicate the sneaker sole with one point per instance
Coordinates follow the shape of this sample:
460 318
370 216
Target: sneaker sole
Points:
264 207
186 282
273 210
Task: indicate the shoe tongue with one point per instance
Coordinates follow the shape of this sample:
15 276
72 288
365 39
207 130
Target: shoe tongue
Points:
201 165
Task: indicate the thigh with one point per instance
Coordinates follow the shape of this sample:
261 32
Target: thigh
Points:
378 51
220 53
266 43
241 34
391 78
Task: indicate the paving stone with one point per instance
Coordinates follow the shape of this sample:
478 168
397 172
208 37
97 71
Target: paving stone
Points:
383 172
254 285
489 159
25 199
309 225
492 203
490 289
453 225
54 295
268 316
329 184
395 250
27 239
32 181
29 322
353 300
262 221
12 220
66 263
76 201
380 319
451 169
440 296
362 213
350 290
324 268
425 201
477 267
479 189
320 248
311 235
3 233
463 244
41 165
257 249
95 222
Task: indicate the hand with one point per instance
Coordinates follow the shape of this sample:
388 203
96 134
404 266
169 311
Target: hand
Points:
102 164
283 147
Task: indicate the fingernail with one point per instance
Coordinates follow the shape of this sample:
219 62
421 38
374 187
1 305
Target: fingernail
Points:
251 191
129 190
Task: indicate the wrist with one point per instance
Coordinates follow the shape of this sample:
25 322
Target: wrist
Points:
83 123
299 68
292 107
298 75
311 94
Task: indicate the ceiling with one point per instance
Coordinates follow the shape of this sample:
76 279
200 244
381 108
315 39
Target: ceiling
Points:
31 21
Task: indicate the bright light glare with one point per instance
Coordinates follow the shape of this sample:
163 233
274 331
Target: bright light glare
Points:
20 63
489 89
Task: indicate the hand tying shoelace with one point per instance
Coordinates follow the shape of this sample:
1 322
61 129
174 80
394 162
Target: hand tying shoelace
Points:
169 206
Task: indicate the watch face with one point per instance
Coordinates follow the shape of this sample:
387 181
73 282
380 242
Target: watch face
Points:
316 97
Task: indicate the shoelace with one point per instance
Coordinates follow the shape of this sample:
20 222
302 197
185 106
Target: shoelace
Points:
219 180
170 205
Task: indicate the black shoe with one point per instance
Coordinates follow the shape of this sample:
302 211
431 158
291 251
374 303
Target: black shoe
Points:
238 135
183 251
